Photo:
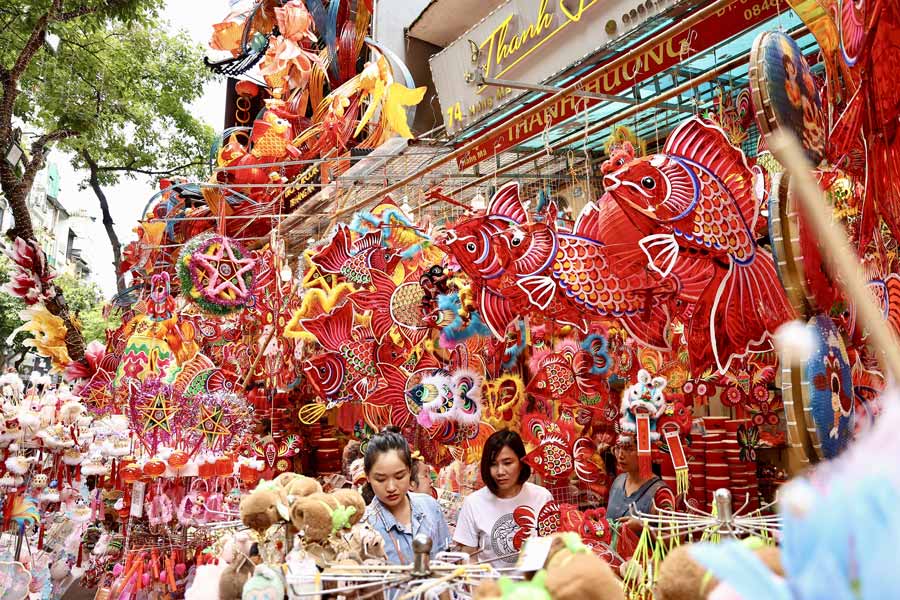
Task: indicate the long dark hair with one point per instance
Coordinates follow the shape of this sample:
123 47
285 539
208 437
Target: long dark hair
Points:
387 440
492 447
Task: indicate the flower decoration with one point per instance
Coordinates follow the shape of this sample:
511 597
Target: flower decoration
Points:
31 279
217 273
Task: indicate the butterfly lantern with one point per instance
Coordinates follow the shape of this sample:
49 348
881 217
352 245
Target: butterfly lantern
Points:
642 405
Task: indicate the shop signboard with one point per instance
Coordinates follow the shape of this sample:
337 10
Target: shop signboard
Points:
527 40
671 50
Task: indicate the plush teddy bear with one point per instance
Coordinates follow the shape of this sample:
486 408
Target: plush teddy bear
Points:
234 577
300 486
362 546
353 502
574 572
264 506
312 516
571 572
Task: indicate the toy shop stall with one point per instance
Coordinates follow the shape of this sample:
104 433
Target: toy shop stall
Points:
575 342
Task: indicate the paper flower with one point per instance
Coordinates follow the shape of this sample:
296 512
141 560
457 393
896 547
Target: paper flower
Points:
294 21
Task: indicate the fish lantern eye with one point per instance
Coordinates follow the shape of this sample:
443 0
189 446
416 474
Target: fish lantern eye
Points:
471 247
516 239
648 183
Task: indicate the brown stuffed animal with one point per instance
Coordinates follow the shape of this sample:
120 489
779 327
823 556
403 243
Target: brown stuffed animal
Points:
362 546
264 506
682 578
236 574
300 486
576 573
311 516
351 498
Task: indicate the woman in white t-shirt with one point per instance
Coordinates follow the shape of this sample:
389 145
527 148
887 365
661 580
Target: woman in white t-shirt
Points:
486 527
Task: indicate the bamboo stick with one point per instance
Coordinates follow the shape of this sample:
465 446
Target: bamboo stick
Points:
841 259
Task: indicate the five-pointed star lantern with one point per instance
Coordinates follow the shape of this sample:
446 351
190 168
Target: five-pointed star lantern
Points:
210 424
158 414
222 271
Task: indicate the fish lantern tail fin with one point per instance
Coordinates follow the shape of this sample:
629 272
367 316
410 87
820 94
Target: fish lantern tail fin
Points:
739 311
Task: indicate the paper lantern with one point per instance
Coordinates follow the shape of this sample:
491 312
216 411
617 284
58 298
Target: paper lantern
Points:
154 468
248 474
178 459
131 473
224 466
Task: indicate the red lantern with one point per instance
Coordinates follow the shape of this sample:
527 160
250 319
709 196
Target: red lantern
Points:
131 473
154 468
224 466
206 470
246 88
178 459
249 475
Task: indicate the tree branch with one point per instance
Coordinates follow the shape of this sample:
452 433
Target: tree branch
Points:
108 223
171 171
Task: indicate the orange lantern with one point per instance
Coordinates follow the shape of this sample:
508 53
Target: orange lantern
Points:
224 466
178 459
131 473
246 88
249 475
206 470
154 468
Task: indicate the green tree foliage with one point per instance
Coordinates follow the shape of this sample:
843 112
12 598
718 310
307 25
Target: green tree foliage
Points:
86 304
128 96
114 92
9 317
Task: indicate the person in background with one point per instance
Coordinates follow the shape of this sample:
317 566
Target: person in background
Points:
630 489
422 482
395 512
485 528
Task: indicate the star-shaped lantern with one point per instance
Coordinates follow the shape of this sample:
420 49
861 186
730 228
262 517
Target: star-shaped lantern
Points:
157 413
210 425
217 273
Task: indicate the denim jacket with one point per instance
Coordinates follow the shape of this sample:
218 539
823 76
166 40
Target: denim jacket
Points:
427 518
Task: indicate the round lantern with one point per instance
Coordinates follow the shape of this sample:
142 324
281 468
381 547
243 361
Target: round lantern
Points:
154 468
178 459
246 88
131 473
224 466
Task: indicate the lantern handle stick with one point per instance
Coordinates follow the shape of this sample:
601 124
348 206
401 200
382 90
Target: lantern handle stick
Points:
840 257
259 356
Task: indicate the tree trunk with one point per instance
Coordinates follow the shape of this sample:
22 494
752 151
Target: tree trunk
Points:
107 219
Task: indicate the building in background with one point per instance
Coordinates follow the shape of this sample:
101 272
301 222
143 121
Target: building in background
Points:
61 233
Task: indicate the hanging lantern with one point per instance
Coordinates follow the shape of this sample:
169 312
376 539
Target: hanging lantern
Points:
178 459
224 466
154 468
131 473
248 474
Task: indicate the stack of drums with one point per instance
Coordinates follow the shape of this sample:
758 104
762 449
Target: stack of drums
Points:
697 467
328 455
717 474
